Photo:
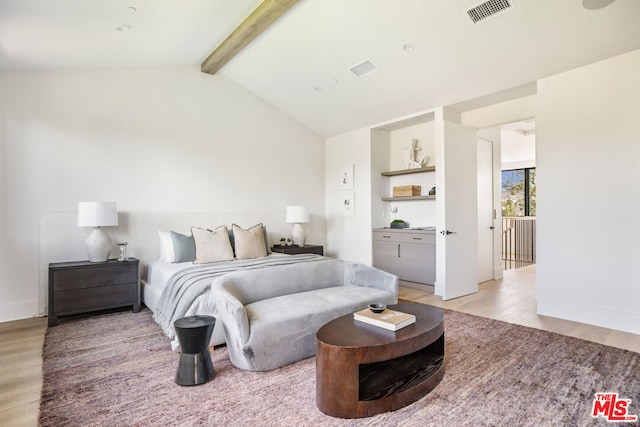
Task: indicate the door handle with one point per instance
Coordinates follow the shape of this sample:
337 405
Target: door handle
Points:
447 232
492 228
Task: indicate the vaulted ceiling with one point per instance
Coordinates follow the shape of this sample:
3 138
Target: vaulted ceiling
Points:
426 53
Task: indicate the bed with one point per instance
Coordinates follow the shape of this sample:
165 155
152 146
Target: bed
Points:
173 288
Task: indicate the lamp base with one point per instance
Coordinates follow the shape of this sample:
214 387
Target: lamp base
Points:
297 234
98 245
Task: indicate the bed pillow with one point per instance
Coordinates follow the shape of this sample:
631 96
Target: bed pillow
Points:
166 246
266 240
212 246
184 248
250 243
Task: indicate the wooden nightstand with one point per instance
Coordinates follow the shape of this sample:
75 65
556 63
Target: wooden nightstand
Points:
295 249
83 286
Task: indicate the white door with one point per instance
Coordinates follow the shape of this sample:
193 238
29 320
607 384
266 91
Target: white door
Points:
456 207
485 210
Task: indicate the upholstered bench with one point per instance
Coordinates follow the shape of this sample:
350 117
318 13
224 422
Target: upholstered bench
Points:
270 317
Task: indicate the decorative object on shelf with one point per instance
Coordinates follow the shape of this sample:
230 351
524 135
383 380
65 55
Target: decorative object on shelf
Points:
290 243
399 223
407 190
96 215
123 252
411 156
346 177
283 241
347 205
432 192
297 215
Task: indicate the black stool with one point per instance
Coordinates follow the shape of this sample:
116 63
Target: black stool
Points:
194 333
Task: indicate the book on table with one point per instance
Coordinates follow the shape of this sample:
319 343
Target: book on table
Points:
388 319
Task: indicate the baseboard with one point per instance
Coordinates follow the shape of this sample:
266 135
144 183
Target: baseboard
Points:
604 317
414 285
18 310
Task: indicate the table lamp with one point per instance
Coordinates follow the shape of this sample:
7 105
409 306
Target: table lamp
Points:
297 215
98 214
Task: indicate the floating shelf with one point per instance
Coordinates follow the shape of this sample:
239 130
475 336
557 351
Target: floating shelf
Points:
398 199
409 171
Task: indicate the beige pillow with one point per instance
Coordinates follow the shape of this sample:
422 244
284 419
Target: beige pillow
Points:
249 243
212 246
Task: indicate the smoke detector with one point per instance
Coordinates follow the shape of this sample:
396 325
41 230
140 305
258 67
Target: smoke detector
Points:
487 10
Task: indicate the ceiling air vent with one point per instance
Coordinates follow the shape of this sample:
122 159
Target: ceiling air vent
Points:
488 9
363 69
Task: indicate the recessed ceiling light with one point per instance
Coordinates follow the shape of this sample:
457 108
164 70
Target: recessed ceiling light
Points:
318 89
131 9
123 28
409 47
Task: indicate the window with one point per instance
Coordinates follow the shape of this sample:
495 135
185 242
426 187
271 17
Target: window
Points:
519 192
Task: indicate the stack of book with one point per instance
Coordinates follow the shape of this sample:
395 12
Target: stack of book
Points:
389 319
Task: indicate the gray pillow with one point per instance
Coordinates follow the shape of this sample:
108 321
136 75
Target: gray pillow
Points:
184 247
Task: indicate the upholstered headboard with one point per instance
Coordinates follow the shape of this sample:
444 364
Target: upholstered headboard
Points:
61 239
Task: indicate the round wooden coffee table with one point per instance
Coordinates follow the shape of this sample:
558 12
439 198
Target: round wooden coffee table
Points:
363 370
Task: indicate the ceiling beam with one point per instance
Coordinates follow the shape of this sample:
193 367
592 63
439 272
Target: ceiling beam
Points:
259 20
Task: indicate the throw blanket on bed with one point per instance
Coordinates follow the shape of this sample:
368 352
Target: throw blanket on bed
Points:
184 289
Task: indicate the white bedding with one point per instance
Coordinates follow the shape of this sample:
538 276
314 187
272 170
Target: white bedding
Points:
160 274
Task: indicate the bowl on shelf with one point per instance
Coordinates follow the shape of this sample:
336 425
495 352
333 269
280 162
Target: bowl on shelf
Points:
377 308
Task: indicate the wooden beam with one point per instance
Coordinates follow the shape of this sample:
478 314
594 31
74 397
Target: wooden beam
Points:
259 20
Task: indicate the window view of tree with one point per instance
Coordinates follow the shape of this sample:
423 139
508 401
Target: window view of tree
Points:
519 192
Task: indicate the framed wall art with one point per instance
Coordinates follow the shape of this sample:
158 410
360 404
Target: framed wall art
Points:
346 177
347 205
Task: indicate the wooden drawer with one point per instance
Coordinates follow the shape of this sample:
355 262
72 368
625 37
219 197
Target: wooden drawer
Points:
420 238
386 236
93 277
82 300
83 286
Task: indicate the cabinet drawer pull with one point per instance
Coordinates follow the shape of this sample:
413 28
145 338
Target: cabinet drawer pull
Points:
417 238
398 250
386 237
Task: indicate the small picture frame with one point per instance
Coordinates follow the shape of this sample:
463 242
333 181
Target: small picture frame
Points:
346 177
347 205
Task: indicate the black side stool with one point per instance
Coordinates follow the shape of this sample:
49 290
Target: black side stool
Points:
194 333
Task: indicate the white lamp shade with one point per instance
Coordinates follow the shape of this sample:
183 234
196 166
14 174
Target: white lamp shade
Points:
97 214
297 215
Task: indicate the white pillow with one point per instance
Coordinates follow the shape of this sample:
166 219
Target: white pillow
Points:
166 246
212 246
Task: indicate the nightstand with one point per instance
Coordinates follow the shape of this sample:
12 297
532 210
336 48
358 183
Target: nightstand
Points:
83 286
295 249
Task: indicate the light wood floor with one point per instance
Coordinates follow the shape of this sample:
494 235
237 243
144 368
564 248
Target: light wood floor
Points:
511 299
21 371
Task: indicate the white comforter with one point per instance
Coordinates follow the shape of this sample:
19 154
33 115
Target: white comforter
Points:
187 291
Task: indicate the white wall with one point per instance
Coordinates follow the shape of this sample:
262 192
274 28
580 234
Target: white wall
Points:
349 237
588 158
158 139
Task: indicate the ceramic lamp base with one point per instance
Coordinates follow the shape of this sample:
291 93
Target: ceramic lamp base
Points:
297 234
98 245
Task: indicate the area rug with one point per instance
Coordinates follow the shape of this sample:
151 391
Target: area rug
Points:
118 370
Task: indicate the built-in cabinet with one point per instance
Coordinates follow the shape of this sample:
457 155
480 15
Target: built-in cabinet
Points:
409 254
